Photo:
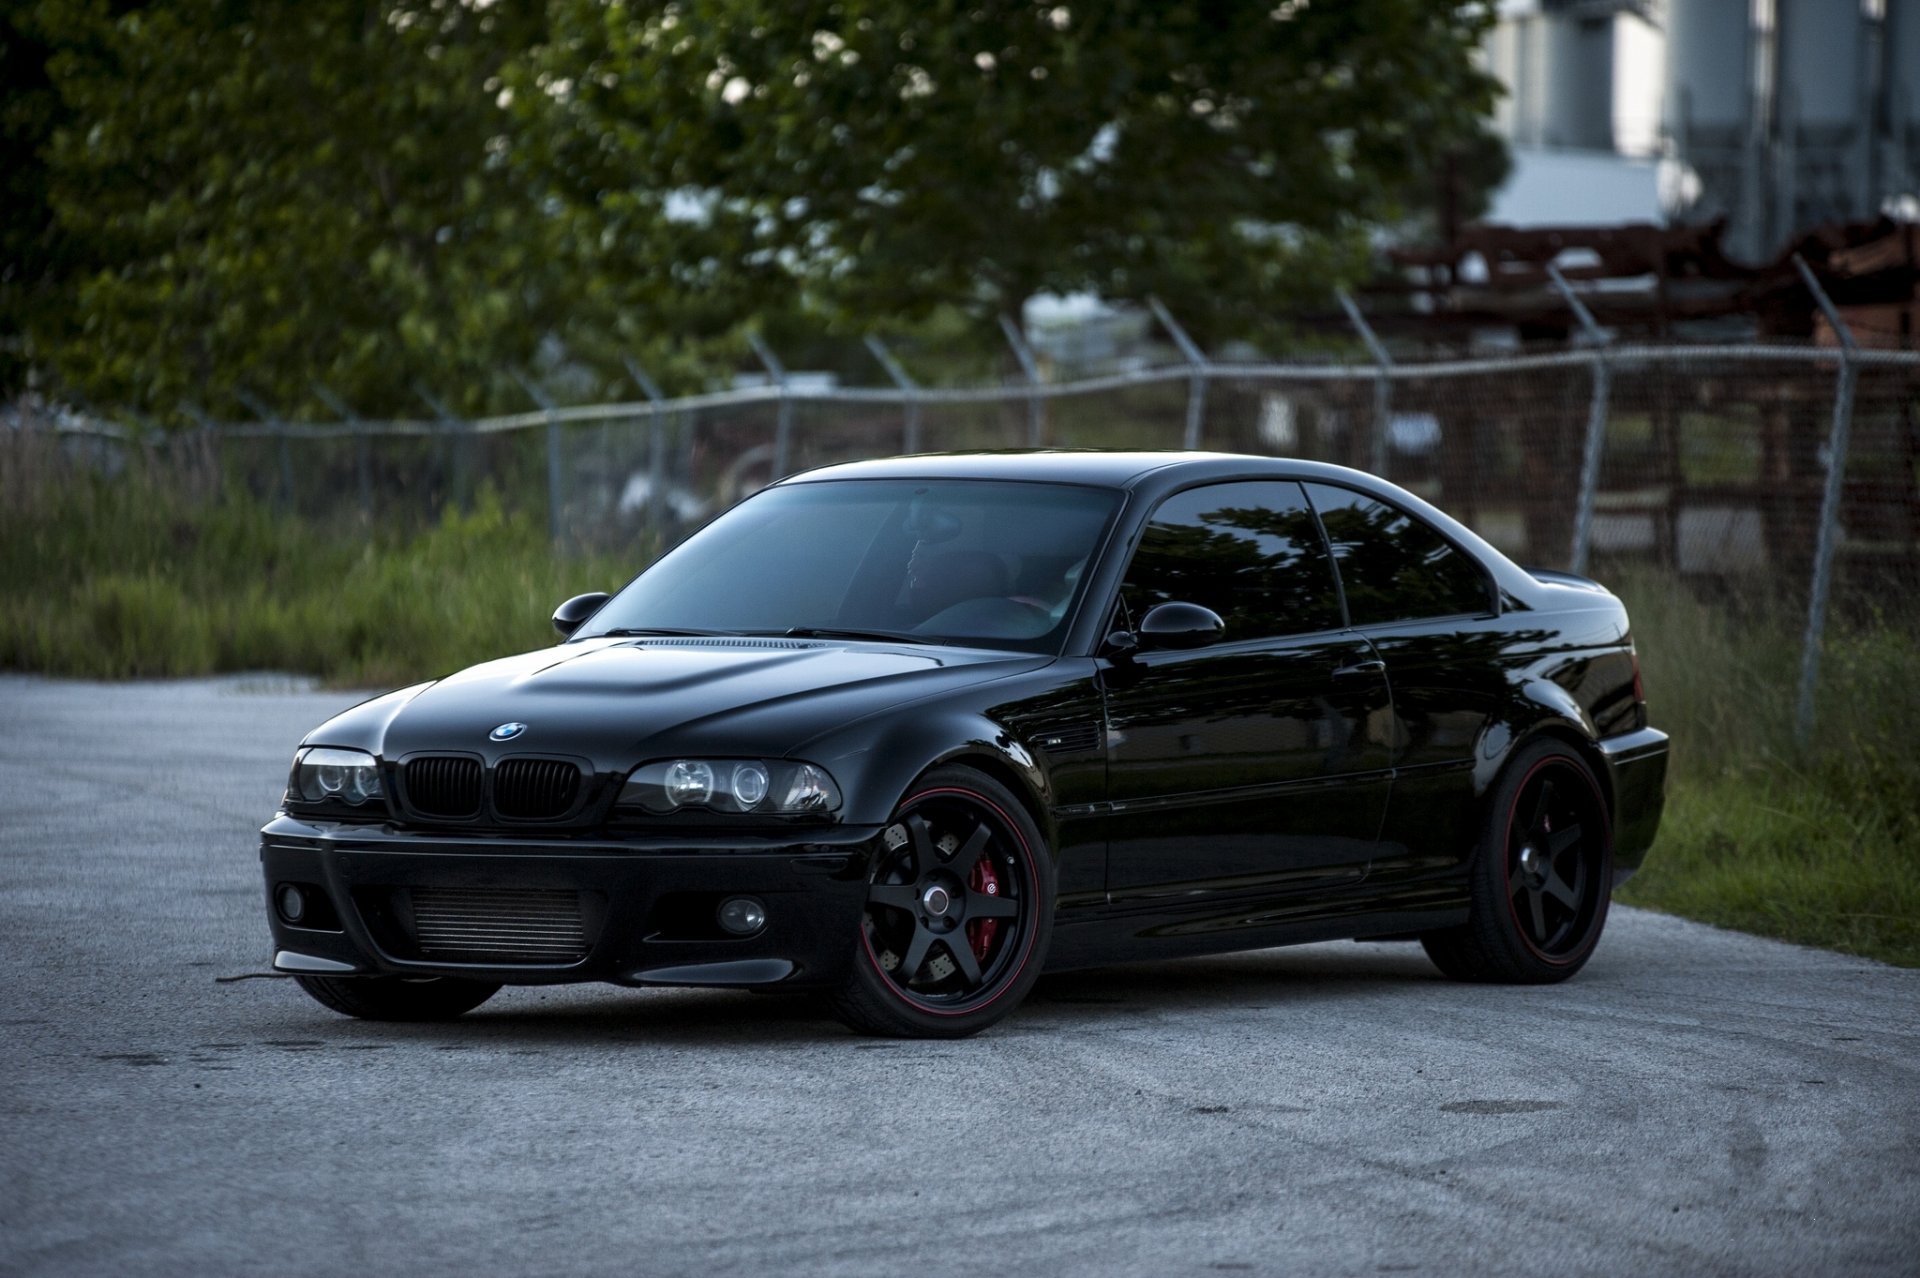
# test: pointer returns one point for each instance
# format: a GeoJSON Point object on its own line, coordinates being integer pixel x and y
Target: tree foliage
{"type": "Point", "coordinates": [215, 202]}
{"type": "Point", "coordinates": [893, 155]}
{"type": "Point", "coordinates": [288, 194]}
{"type": "Point", "coordinates": [36, 260]}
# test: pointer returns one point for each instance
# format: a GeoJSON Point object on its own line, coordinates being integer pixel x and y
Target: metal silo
{"type": "Point", "coordinates": [1823, 115]}
{"type": "Point", "coordinates": [1900, 83]}
{"type": "Point", "coordinates": [1709, 55]}
{"type": "Point", "coordinates": [1577, 102]}
{"type": "Point", "coordinates": [1709, 115]}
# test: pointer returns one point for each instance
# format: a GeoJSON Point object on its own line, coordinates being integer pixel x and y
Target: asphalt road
{"type": "Point", "coordinates": [1695, 1102]}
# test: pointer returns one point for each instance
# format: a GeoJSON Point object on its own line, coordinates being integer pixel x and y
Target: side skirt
{"type": "Point", "coordinates": [1092, 938]}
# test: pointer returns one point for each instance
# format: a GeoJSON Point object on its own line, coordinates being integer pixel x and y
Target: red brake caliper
{"type": "Point", "coordinates": [980, 932]}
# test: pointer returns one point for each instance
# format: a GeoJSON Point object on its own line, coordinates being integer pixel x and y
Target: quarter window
{"type": "Point", "coordinates": [1249, 551]}
{"type": "Point", "coordinates": [1393, 566]}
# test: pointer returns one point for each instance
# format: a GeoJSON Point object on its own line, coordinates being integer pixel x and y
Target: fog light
{"type": "Point", "coordinates": [292, 902]}
{"type": "Point", "coordinates": [742, 915]}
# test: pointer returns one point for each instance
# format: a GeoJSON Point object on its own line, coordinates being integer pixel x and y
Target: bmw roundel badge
{"type": "Point", "coordinates": [507, 731]}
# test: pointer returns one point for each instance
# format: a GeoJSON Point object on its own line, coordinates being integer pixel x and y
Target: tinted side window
{"type": "Point", "coordinates": [1249, 551]}
{"type": "Point", "coordinates": [1393, 566]}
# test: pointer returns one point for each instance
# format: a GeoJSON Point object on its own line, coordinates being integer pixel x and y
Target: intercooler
{"type": "Point", "coordinates": [492, 925]}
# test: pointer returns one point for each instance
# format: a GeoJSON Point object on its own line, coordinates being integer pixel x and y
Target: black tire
{"type": "Point", "coordinates": [394, 998]}
{"type": "Point", "coordinates": [1541, 879]}
{"type": "Point", "coordinates": [963, 892]}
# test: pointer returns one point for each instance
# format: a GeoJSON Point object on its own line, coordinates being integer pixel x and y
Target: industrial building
{"type": "Point", "coordinates": [1778, 116]}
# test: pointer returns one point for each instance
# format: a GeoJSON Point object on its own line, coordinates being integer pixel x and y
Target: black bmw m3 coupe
{"type": "Point", "coordinates": [910, 732]}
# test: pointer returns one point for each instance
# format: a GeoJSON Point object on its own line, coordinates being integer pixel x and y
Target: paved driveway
{"type": "Point", "coordinates": [1695, 1102]}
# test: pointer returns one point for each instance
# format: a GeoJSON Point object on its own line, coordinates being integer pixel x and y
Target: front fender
{"type": "Point", "coordinates": [875, 771]}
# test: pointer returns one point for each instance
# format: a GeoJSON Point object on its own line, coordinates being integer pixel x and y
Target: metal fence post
{"type": "Point", "coordinates": [1382, 384]}
{"type": "Point", "coordinates": [1196, 384]}
{"type": "Point", "coordinates": [556, 531]}
{"type": "Point", "coordinates": [362, 463]}
{"type": "Point", "coordinates": [1830, 498]}
{"type": "Point", "coordinates": [1031, 369]}
{"type": "Point", "coordinates": [1590, 454]}
{"type": "Point", "coordinates": [656, 443]}
{"type": "Point", "coordinates": [459, 444]}
{"type": "Point", "coordinates": [271, 420]}
{"type": "Point", "coordinates": [783, 425]}
{"type": "Point", "coordinates": [209, 433]}
{"type": "Point", "coordinates": [909, 393]}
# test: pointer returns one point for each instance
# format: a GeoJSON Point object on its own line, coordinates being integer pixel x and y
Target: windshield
{"type": "Point", "coordinates": [961, 561]}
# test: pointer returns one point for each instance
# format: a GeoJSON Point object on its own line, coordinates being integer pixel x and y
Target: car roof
{"type": "Point", "coordinates": [1100, 467]}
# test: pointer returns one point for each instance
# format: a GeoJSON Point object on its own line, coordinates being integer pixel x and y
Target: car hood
{"type": "Point", "coordinates": [615, 701]}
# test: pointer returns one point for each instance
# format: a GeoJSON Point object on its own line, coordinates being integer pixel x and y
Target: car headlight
{"type": "Point", "coordinates": [776, 787]}
{"type": "Point", "coordinates": [323, 774]}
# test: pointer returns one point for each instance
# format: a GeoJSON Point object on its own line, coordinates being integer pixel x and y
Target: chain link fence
{"type": "Point", "coordinates": [1785, 473]}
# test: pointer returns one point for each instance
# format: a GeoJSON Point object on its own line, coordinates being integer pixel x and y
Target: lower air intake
{"type": "Point", "coordinates": [499, 925]}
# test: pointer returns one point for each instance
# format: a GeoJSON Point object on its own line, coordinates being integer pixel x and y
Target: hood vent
{"type": "Point", "coordinates": [763, 645]}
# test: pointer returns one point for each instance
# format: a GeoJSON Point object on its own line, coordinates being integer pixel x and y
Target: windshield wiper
{"type": "Point", "coordinates": [838, 632]}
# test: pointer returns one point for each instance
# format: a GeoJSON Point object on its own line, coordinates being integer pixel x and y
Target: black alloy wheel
{"type": "Point", "coordinates": [1541, 880]}
{"type": "Point", "coordinates": [1550, 859]}
{"type": "Point", "coordinates": [957, 912]}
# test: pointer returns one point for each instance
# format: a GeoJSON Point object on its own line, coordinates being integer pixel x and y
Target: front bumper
{"type": "Point", "coordinates": [1637, 777]}
{"type": "Point", "coordinates": [641, 901]}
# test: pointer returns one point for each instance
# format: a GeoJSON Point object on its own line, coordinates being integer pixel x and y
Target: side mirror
{"type": "Point", "coordinates": [1180, 625]}
{"type": "Point", "coordinates": [569, 616]}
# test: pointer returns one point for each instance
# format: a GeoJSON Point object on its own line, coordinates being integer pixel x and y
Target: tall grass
{"type": "Point", "coordinates": [129, 579]}
{"type": "Point", "coordinates": [1817, 844]}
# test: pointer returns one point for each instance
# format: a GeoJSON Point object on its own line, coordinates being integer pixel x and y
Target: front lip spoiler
{"type": "Point", "coordinates": [294, 961]}
{"type": "Point", "coordinates": [737, 972]}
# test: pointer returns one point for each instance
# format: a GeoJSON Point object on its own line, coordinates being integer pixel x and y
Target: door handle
{"type": "Point", "coordinates": [1361, 670]}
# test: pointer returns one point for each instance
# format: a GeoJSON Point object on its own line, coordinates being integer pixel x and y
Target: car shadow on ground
{"type": "Point", "coordinates": [581, 1017]}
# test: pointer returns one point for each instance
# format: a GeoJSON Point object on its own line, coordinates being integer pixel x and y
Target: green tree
{"type": "Point", "coordinates": [37, 262]}
{"type": "Point", "coordinates": [279, 194]}
{"type": "Point", "coordinates": [883, 157]}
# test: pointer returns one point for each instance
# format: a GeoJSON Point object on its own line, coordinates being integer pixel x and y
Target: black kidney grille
{"type": "Point", "coordinates": [534, 789]}
{"type": "Point", "coordinates": [444, 786]}
{"type": "Point", "coordinates": [514, 925]}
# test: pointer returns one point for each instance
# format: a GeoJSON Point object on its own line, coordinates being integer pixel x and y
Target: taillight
{"type": "Point", "coordinates": [1639, 687]}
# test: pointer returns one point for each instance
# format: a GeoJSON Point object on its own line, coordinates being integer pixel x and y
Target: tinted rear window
{"type": "Point", "coordinates": [1395, 566]}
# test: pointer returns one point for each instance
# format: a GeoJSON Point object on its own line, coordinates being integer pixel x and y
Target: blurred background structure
{"type": "Point", "coordinates": [1777, 117]}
